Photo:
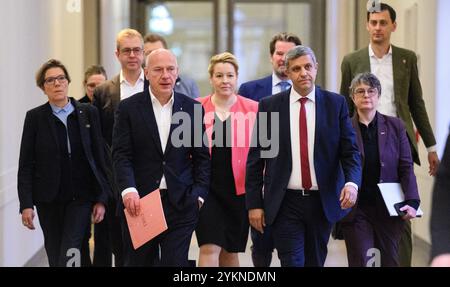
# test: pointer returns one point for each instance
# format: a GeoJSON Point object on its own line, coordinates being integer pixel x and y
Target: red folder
{"type": "Point", "coordinates": [150, 222]}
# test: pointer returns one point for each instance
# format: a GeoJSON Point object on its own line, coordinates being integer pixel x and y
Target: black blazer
{"type": "Point", "coordinates": [138, 157]}
{"type": "Point", "coordinates": [38, 178]}
{"type": "Point", "coordinates": [336, 155]}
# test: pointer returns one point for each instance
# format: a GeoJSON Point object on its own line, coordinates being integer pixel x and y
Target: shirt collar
{"type": "Point", "coordinates": [295, 97]}
{"type": "Point", "coordinates": [122, 77]}
{"type": "Point", "coordinates": [67, 108]}
{"type": "Point", "coordinates": [276, 80]}
{"type": "Point", "coordinates": [155, 100]}
{"type": "Point", "coordinates": [372, 54]}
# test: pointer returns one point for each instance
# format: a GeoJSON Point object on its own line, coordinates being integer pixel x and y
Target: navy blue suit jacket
{"type": "Point", "coordinates": [257, 89]}
{"type": "Point", "coordinates": [336, 156]}
{"type": "Point", "coordinates": [140, 162]}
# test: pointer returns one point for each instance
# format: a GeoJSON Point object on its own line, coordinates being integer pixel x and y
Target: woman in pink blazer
{"type": "Point", "coordinates": [223, 226]}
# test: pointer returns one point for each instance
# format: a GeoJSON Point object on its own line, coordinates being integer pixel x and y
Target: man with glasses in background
{"type": "Point", "coordinates": [130, 81]}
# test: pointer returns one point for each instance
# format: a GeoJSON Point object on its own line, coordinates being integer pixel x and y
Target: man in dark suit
{"type": "Point", "coordinates": [130, 81]}
{"type": "Point", "coordinates": [61, 167]}
{"type": "Point", "coordinates": [262, 247]}
{"type": "Point", "coordinates": [315, 175]}
{"type": "Point", "coordinates": [147, 157]}
{"type": "Point", "coordinates": [396, 68]}
{"type": "Point", "coordinates": [440, 213]}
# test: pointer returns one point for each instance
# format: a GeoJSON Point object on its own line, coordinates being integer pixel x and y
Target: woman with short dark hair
{"type": "Point", "coordinates": [61, 167]}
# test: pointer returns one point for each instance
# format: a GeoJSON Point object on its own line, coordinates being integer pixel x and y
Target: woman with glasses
{"type": "Point", "coordinates": [223, 225]}
{"type": "Point", "coordinates": [94, 76]}
{"type": "Point", "coordinates": [61, 167]}
{"type": "Point", "coordinates": [369, 230]}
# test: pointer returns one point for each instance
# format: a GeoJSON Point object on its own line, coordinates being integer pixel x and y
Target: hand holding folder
{"type": "Point", "coordinates": [150, 222]}
{"type": "Point", "coordinates": [394, 198]}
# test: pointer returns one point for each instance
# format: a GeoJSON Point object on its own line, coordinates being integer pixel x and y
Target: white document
{"type": "Point", "coordinates": [392, 193]}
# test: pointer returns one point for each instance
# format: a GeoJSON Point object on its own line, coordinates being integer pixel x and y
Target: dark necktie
{"type": "Point", "coordinates": [284, 85]}
{"type": "Point", "coordinates": [304, 159]}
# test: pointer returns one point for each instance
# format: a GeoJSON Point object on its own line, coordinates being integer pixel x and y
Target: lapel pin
{"type": "Point", "coordinates": [88, 126]}
{"type": "Point", "coordinates": [404, 61]}
{"type": "Point", "coordinates": [81, 112]}
{"type": "Point", "coordinates": [382, 133]}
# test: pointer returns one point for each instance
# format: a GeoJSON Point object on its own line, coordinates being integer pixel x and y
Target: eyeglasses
{"type": "Point", "coordinates": [52, 80]}
{"type": "Point", "coordinates": [362, 92]}
{"type": "Point", "coordinates": [127, 51]}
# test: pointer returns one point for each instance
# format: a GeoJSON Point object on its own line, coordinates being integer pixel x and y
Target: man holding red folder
{"type": "Point", "coordinates": [147, 156]}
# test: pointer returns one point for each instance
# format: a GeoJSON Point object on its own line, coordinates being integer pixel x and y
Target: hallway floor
{"type": "Point", "coordinates": [336, 255]}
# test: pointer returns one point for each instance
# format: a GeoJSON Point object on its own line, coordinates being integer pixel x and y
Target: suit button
{"type": "Point", "coordinates": [382, 164]}
{"type": "Point", "coordinates": [164, 163]}
{"type": "Point", "coordinates": [381, 181]}
{"type": "Point", "coordinates": [157, 181]}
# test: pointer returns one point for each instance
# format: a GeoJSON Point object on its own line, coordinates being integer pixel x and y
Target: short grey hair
{"type": "Point", "coordinates": [367, 79]}
{"type": "Point", "coordinates": [297, 52]}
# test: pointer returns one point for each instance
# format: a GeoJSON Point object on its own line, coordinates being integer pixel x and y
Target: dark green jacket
{"type": "Point", "coordinates": [408, 91]}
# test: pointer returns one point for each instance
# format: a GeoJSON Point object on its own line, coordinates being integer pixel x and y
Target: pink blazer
{"type": "Point", "coordinates": [243, 115]}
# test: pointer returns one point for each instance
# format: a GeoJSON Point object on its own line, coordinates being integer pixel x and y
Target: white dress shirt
{"type": "Point", "coordinates": [295, 181]}
{"type": "Point", "coordinates": [163, 116]}
{"type": "Point", "coordinates": [383, 69]}
{"type": "Point", "coordinates": [127, 89]}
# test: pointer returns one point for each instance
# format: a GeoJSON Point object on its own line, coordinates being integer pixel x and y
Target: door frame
{"type": "Point", "coordinates": [318, 35]}
{"type": "Point", "coordinates": [137, 16]}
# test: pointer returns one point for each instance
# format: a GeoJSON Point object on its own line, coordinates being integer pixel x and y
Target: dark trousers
{"type": "Point", "coordinates": [102, 244]}
{"type": "Point", "coordinates": [372, 228]}
{"type": "Point", "coordinates": [64, 226]}
{"type": "Point", "coordinates": [262, 247]}
{"type": "Point", "coordinates": [301, 230]}
{"type": "Point", "coordinates": [107, 237]}
{"type": "Point", "coordinates": [85, 250]}
{"type": "Point", "coordinates": [171, 247]}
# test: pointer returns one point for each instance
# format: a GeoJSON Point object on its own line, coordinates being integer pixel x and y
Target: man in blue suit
{"type": "Point", "coordinates": [262, 247]}
{"type": "Point", "coordinates": [147, 157]}
{"type": "Point", "coordinates": [313, 180]}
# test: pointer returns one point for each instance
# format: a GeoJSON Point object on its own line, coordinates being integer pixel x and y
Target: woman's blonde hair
{"type": "Point", "coordinates": [224, 57]}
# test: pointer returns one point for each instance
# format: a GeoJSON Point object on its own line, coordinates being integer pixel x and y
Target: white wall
{"type": "Point", "coordinates": [442, 73]}
{"type": "Point", "coordinates": [32, 32]}
{"type": "Point", "coordinates": [340, 29]}
{"type": "Point", "coordinates": [115, 16]}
